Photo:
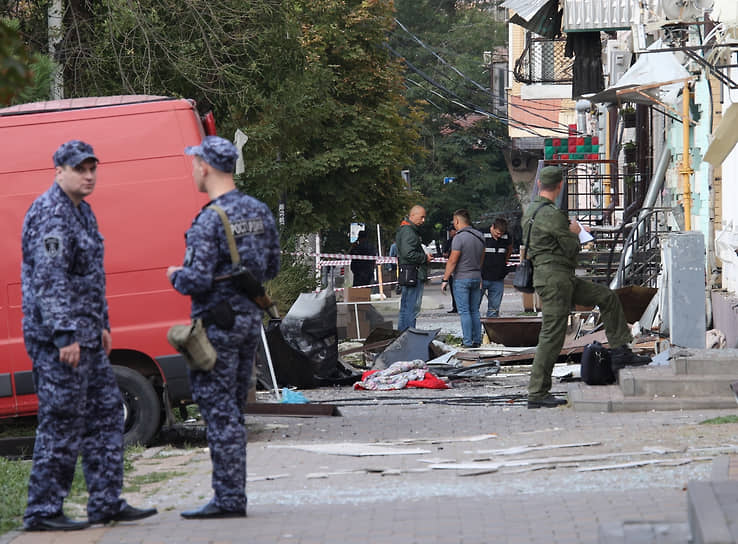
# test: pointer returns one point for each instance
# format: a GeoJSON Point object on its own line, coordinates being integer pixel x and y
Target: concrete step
{"type": "Point", "coordinates": [643, 532]}
{"type": "Point", "coordinates": [712, 509]}
{"type": "Point", "coordinates": [663, 381]}
{"type": "Point", "coordinates": [610, 398]}
{"type": "Point", "coordinates": [705, 361]}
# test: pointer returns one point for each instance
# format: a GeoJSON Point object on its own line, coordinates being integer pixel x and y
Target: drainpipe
{"type": "Point", "coordinates": [581, 107]}
{"type": "Point", "coordinates": [686, 169]}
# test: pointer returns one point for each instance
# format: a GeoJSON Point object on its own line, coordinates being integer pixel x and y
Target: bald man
{"type": "Point", "coordinates": [410, 253]}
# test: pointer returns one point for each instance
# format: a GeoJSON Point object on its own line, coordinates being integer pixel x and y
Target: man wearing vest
{"type": "Point", "coordinates": [498, 247]}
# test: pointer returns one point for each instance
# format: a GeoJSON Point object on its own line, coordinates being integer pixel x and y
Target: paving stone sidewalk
{"type": "Point", "coordinates": [398, 499]}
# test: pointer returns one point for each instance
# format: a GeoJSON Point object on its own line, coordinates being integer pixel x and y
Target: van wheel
{"type": "Point", "coordinates": [141, 407]}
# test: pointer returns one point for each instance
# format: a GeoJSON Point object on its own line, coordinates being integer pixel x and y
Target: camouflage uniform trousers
{"type": "Point", "coordinates": [221, 396]}
{"type": "Point", "coordinates": [560, 291]}
{"type": "Point", "coordinates": [80, 411]}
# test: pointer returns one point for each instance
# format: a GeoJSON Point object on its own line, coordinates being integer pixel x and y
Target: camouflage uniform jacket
{"type": "Point", "coordinates": [62, 274]}
{"type": "Point", "coordinates": [207, 255]}
{"type": "Point", "coordinates": [552, 244]}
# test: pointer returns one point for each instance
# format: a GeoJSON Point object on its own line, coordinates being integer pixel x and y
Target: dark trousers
{"type": "Point", "coordinates": [80, 411]}
{"type": "Point", "coordinates": [221, 395]}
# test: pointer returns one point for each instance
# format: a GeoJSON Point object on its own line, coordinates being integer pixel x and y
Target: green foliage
{"type": "Point", "coordinates": [296, 276]}
{"type": "Point", "coordinates": [459, 143]}
{"type": "Point", "coordinates": [330, 111]}
{"type": "Point", "coordinates": [14, 477]}
{"type": "Point", "coordinates": [339, 115]}
{"type": "Point", "coordinates": [309, 81]}
{"type": "Point", "coordinates": [720, 420]}
{"type": "Point", "coordinates": [15, 72]}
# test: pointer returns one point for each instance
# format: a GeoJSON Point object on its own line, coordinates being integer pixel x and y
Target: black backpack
{"type": "Point", "coordinates": [596, 367]}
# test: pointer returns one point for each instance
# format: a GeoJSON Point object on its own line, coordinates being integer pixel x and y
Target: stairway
{"type": "Point", "coordinates": [693, 379]}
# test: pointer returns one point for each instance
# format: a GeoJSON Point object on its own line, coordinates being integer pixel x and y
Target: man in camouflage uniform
{"type": "Point", "coordinates": [67, 336]}
{"type": "Point", "coordinates": [221, 392]}
{"type": "Point", "coordinates": [554, 245]}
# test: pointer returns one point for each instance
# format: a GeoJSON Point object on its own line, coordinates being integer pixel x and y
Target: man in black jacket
{"type": "Point", "coordinates": [363, 270]}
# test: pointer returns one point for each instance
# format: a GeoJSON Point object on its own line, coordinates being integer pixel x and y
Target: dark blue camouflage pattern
{"type": "Point", "coordinates": [62, 275]}
{"type": "Point", "coordinates": [80, 409]}
{"type": "Point", "coordinates": [72, 153]}
{"type": "Point", "coordinates": [217, 152]}
{"type": "Point", "coordinates": [221, 393]}
{"type": "Point", "coordinates": [80, 412]}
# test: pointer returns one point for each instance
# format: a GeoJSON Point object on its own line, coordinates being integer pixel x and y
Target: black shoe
{"type": "Point", "coordinates": [211, 511]}
{"type": "Point", "coordinates": [129, 513]}
{"type": "Point", "coordinates": [476, 344]}
{"type": "Point", "coordinates": [452, 311]}
{"type": "Point", "coordinates": [549, 401]}
{"type": "Point", "coordinates": [57, 523]}
{"type": "Point", "coordinates": [622, 356]}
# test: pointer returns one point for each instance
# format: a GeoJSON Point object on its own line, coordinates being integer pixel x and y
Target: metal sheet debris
{"type": "Point", "coordinates": [354, 449]}
{"type": "Point", "coordinates": [537, 447]}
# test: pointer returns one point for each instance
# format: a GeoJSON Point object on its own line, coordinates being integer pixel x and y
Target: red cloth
{"type": "Point", "coordinates": [430, 381]}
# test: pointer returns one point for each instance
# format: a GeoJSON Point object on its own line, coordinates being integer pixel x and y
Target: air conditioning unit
{"type": "Point", "coordinates": [618, 61]}
{"type": "Point", "coordinates": [519, 161]}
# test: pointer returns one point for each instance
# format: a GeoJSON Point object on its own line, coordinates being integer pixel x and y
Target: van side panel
{"type": "Point", "coordinates": [144, 201]}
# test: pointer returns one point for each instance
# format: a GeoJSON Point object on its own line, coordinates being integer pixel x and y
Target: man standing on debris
{"type": "Point", "coordinates": [465, 263]}
{"type": "Point", "coordinates": [554, 245]}
{"type": "Point", "coordinates": [232, 319]}
{"type": "Point", "coordinates": [410, 252]}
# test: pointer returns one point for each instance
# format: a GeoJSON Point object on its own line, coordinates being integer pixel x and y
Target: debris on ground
{"type": "Point", "coordinates": [399, 375]}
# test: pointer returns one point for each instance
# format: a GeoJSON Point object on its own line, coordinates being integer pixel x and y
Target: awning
{"type": "Point", "coordinates": [655, 77]}
{"type": "Point", "coordinates": [525, 8]}
{"type": "Point", "coordinates": [540, 16]}
{"type": "Point", "coordinates": [724, 138]}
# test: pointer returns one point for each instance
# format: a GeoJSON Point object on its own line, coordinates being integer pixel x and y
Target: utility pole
{"type": "Point", "coordinates": [54, 18]}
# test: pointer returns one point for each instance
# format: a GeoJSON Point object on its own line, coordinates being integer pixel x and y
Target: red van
{"type": "Point", "coordinates": [144, 201]}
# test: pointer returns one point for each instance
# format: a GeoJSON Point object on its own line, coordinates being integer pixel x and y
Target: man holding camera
{"type": "Point", "coordinates": [231, 318]}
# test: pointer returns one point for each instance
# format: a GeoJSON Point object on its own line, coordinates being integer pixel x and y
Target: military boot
{"type": "Point", "coordinates": [622, 356]}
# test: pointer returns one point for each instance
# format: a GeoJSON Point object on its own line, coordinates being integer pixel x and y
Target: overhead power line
{"type": "Point", "coordinates": [480, 88]}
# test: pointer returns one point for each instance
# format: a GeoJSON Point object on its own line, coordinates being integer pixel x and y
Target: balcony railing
{"type": "Point", "coordinates": [543, 61]}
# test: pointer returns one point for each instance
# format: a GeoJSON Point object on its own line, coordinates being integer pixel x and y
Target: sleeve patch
{"type": "Point", "coordinates": [247, 226]}
{"type": "Point", "coordinates": [52, 246]}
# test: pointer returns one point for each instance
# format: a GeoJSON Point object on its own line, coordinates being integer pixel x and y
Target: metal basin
{"type": "Point", "coordinates": [513, 331]}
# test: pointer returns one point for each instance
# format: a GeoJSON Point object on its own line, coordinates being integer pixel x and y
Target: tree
{"type": "Point", "coordinates": [446, 74]}
{"type": "Point", "coordinates": [345, 129]}
{"type": "Point", "coordinates": [309, 81]}
{"type": "Point", "coordinates": [15, 72]}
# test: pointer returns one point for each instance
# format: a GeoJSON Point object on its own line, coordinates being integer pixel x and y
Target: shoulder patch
{"type": "Point", "coordinates": [247, 226]}
{"type": "Point", "coordinates": [52, 246]}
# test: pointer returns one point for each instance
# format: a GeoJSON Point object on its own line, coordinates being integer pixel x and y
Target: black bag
{"type": "Point", "coordinates": [408, 275]}
{"type": "Point", "coordinates": [596, 367]}
{"type": "Point", "coordinates": [523, 278]}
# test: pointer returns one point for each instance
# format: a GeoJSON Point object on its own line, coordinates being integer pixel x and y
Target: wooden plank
{"type": "Point", "coordinates": [294, 410]}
